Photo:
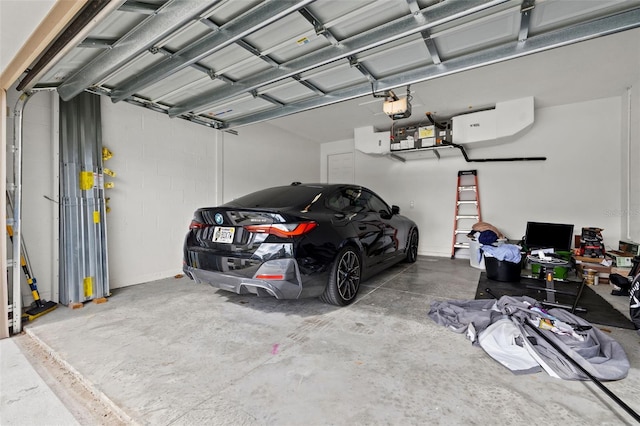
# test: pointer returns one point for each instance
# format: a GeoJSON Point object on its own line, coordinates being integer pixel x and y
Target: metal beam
{"type": "Point", "coordinates": [222, 77]}
{"type": "Point", "coordinates": [414, 7]}
{"type": "Point", "coordinates": [86, 18]}
{"type": "Point", "coordinates": [258, 54]}
{"type": "Point", "coordinates": [169, 53]}
{"type": "Point", "coordinates": [318, 26]}
{"type": "Point", "coordinates": [255, 19]}
{"type": "Point", "coordinates": [431, 47]}
{"type": "Point", "coordinates": [18, 132]}
{"type": "Point", "coordinates": [84, 272]}
{"type": "Point", "coordinates": [172, 16]}
{"type": "Point", "coordinates": [540, 43]}
{"type": "Point", "coordinates": [139, 7]}
{"type": "Point", "coordinates": [245, 45]}
{"type": "Point", "coordinates": [267, 98]}
{"type": "Point", "coordinates": [353, 62]}
{"type": "Point", "coordinates": [426, 34]}
{"type": "Point", "coordinates": [308, 85]}
{"type": "Point", "coordinates": [525, 19]}
{"type": "Point", "coordinates": [98, 43]}
{"type": "Point", "coordinates": [436, 15]}
{"type": "Point", "coordinates": [161, 108]}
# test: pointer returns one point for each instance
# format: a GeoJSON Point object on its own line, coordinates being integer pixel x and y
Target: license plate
{"type": "Point", "coordinates": [223, 234]}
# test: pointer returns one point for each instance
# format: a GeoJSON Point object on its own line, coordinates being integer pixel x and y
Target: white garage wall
{"type": "Point", "coordinates": [263, 155]}
{"type": "Point", "coordinates": [579, 183]}
{"type": "Point", "coordinates": [166, 168]}
{"type": "Point", "coordinates": [630, 168]}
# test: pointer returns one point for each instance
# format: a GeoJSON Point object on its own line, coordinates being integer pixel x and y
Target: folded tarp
{"type": "Point", "coordinates": [504, 341]}
{"type": "Point", "coordinates": [599, 354]}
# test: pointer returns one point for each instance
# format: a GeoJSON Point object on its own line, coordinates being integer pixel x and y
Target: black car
{"type": "Point", "coordinates": [302, 240]}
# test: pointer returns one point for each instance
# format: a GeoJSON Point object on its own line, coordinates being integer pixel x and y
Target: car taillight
{"type": "Point", "coordinates": [284, 230]}
{"type": "Point", "coordinates": [269, 277]}
{"type": "Point", "coordinates": [198, 225]}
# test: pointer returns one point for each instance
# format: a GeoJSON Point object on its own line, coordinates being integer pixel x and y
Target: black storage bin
{"type": "Point", "coordinates": [502, 270]}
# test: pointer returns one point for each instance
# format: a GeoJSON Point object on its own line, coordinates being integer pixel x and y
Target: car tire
{"type": "Point", "coordinates": [412, 247]}
{"type": "Point", "coordinates": [344, 278]}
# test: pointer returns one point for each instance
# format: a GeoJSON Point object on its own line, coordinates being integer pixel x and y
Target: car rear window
{"type": "Point", "coordinates": [279, 197]}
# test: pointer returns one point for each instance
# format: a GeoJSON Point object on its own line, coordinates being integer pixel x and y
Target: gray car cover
{"type": "Point", "coordinates": [498, 327]}
{"type": "Point", "coordinates": [504, 341]}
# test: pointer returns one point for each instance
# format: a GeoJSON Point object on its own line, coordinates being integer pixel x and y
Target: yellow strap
{"type": "Point", "coordinates": [88, 286]}
{"type": "Point", "coordinates": [86, 180]}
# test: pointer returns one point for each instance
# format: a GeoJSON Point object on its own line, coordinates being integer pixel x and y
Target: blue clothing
{"type": "Point", "coordinates": [487, 237]}
{"type": "Point", "coordinates": [508, 252]}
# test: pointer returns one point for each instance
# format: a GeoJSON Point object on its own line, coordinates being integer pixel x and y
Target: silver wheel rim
{"type": "Point", "coordinates": [414, 245]}
{"type": "Point", "coordinates": [348, 275]}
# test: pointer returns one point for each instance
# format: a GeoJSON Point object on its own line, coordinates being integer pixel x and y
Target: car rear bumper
{"type": "Point", "coordinates": [279, 278]}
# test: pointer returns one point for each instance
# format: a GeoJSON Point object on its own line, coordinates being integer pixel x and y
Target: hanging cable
{"type": "Point", "coordinates": [438, 125]}
{"type": "Point", "coordinates": [486, 160]}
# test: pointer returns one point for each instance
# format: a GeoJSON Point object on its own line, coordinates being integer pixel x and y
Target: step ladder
{"type": "Point", "coordinates": [467, 211]}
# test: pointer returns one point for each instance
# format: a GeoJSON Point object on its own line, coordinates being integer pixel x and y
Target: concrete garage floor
{"type": "Point", "coordinates": [172, 352]}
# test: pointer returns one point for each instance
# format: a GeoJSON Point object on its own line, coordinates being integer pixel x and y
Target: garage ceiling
{"type": "Point", "coordinates": [300, 64]}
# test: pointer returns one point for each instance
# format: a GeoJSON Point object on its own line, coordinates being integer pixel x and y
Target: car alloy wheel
{"type": "Point", "coordinates": [348, 275]}
{"type": "Point", "coordinates": [412, 248]}
{"type": "Point", "coordinates": [344, 280]}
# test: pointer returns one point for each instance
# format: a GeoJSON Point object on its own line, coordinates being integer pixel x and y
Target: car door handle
{"type": "Point", "coordinates": [362, 227]}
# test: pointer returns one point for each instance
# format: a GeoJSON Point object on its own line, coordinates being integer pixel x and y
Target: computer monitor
{"type": "Point", "coordinates": [542, 235]}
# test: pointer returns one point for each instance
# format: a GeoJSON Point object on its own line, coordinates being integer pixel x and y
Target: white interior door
{"type": "Point", "coordinates": [340, 168]}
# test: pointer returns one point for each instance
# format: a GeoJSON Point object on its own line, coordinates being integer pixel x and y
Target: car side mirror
{"type": "Point", "coordinates": [395, 210]}
{"type": "Point", "coordinates": [385, 214]}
